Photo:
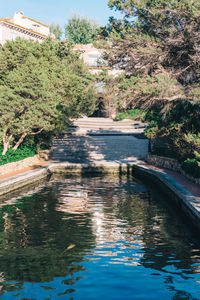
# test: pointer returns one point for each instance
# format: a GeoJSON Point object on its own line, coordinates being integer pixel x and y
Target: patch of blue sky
{"type": "Point", "coordinates": [58, 12]}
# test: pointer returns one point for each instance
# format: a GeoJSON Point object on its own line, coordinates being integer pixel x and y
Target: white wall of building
{"type": "Point", "coordinates": [21, 26]}
{"type": "Point", "coordinates": [11, 32]}
{"type": "Point", "coordinates": [30, 24]}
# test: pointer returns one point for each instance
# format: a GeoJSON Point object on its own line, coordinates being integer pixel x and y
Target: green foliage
{"type": "Point", "coordinates": [156, 43]}
{"type": "Point", "coordinates": [136, 91]}
{"type": "Point", "coordinates": [42, 86]}
{"type": "Point", "coordinates": [19, 154]}
{"type": "Point", "coordinates": [174, 129]}
{"type": "Point", "coordinates": [181, 115]}
{"type": "Point", "coordinates": [193, 138]}
{"type": "Point", "coordinates": [157, 39]}
{"type": "Point", "coordinates": [192, 167]}
{"type": "Point", "coordinates": [81, 30]}
{"type": "Point", "coordinates": [56, 31]}
{"type": "Point", "coordinates": [132, 114]}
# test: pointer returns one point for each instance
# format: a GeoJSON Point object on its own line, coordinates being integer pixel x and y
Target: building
{"type": "Point", "coordinates": [92, 57]}
{"type": "Point", "coordinates": [21, 26]}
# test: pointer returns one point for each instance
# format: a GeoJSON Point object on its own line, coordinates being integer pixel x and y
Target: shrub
{"type": "Point", "coordinates": [19, 154]}
{"type": "Point", "coordinates": [132, 114]}
{"type": "Point", "coordinates": [192, 167]}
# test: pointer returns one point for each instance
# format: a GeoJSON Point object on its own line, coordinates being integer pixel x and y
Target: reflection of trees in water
{"type": "Point", "coordinates": [167, 245]}
{"type": "Point", "coordinates": [36, 231]}
{"type": "Point", "coordinates": [34, 238]}
{"type": "Point", "coordinates": [123, 209]}
{"type": "Point", "coordinates": [167, 241]}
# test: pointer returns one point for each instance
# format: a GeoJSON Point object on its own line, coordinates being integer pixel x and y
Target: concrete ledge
{"type": "Point", "coordinates": [100, 168]}
{"type": "Point", "coordinates": [24, 163]}
{"type": "Point", "coordinates": [171, 164]}
{"type": "Point", "coordinates": [16, 182]}
{"type": "Point", "coordinates": [187, 203]}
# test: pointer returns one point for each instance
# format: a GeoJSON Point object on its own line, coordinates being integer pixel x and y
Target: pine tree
{"type": "Point", "coordinates": [81, 30]}
{"type": "Point", "coordinates": [158, 41]}
{"type": "Point", "coordinates": [42, 86]}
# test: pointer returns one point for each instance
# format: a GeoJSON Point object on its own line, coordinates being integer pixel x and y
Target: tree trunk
{"type": "Point", "coordinates": [20, 141]}
{"type": "Point", "coordinates": [5, 147]}
{"type": "Point", "coordinates": [6, 142]}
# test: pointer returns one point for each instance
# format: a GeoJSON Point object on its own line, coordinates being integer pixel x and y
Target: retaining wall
{"type": "Point", "coordinates": [171, 164]}
{"type": "Point", "coordinates": [22, 164]}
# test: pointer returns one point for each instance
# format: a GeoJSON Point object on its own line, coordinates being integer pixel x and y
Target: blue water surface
{"type": "Point", "coordinates": [96, 238]}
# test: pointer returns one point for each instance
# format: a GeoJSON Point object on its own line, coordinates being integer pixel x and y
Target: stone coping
{"type": "Point", "coordinates": [29, 162]}
{"type": "Point", "coordinates": [188, 204]}
{"type": "Point", "coordinates": [171, 164]}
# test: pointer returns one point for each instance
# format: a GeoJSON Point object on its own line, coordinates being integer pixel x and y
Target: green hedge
{"type": "Point", "coordinates": [192, 167]}
{"type": "Point", "coordinates": [19, 154]}
{"type": "Point", "coordinates": [129, 114]}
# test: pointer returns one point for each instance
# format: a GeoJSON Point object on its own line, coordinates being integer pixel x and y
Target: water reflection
{"type": "Point", "coordinates": [88, 237]}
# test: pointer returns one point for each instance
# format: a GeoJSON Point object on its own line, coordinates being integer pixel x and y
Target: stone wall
{"type": "Point", "coordinates": [171, 164]}
{"type": "Point", "coordinates": [25, 163]}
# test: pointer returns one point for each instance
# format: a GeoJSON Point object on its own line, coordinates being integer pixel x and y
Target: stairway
{"type": "Point", "coordinates": [100, 139]}
{"type": "Point", "coordinates": [95, 126]}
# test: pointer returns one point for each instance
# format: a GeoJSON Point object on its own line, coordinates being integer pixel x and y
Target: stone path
{"type": "Point", "coordinates": [190, 186]}
{"type": "Point", "coordinates": [14, 173]}
{"type": "Point", "coordinates": [101, 139]}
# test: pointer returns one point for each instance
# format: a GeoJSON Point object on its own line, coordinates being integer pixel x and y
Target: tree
{"type": "Point", "coordinates": [81, 30]}
{"type": "Point", "coordinates": [157, 45]}
{"type": "Point", "coordinates": [56, 31]}
{"type": "Point", "coordinates": [42, 86]}
{"type": "Point", "coordinates": [158, 38]}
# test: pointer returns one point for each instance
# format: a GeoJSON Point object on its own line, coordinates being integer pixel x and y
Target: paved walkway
{"type": "Point", "coordinates": [102, 140]}
{"type": "Point", "coordinates": [193, 188]}
{"type": "Point", "coordinates": [8, 175]}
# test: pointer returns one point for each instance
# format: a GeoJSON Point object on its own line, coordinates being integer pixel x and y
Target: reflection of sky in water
{"type": "Point", "coordinates": [121, 242]}
{"type": "Point", "coordinates": [113, 271]}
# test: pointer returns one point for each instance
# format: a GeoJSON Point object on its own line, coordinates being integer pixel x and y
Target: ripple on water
{"type": "Point", "coordinates": [94, 238]}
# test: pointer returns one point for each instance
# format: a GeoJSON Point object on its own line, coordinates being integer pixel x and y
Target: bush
{"type": "Point", "coordinates": [19, 154]}
{"type": "Point", "coordinates": [192, 167]}
{"type": "Point", "coordinates": [132, 114]}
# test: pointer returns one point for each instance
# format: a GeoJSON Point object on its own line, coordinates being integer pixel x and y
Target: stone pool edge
{"type": "Point", "coordinates": [187, 203]}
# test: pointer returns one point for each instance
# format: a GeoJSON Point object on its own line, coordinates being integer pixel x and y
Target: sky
{"type": "Point", "coordinates": [58, 11]}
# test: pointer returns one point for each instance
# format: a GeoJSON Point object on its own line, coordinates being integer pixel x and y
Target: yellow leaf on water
{"type": "Point", "coordinates": [69, 247]}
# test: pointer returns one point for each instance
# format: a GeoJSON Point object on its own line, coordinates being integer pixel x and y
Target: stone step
{"type": "Point", "coordinates": [103, 121]}
{"type": "Point", "coordinates": [97, 132]}
{"type": "Point", "coordinates": [88, 142]}
{"type": "Point", "coordinates": [107, 126]}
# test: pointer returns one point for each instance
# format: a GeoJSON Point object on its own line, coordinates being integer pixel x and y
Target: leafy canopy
{"type": "Point", "coordinates": [157, 45]}
{"type": "Point", "coordinates": [81, 30]}
{"type": "Point", "coordinates": [42, 86]}
{"type": "Point", "coordinates": [158, 38]}
{"type": "Point", "coordinates": [56, 31]}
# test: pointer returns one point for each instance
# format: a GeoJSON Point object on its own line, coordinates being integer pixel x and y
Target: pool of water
{"type": "Point", "coordinates": [95, 238]}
